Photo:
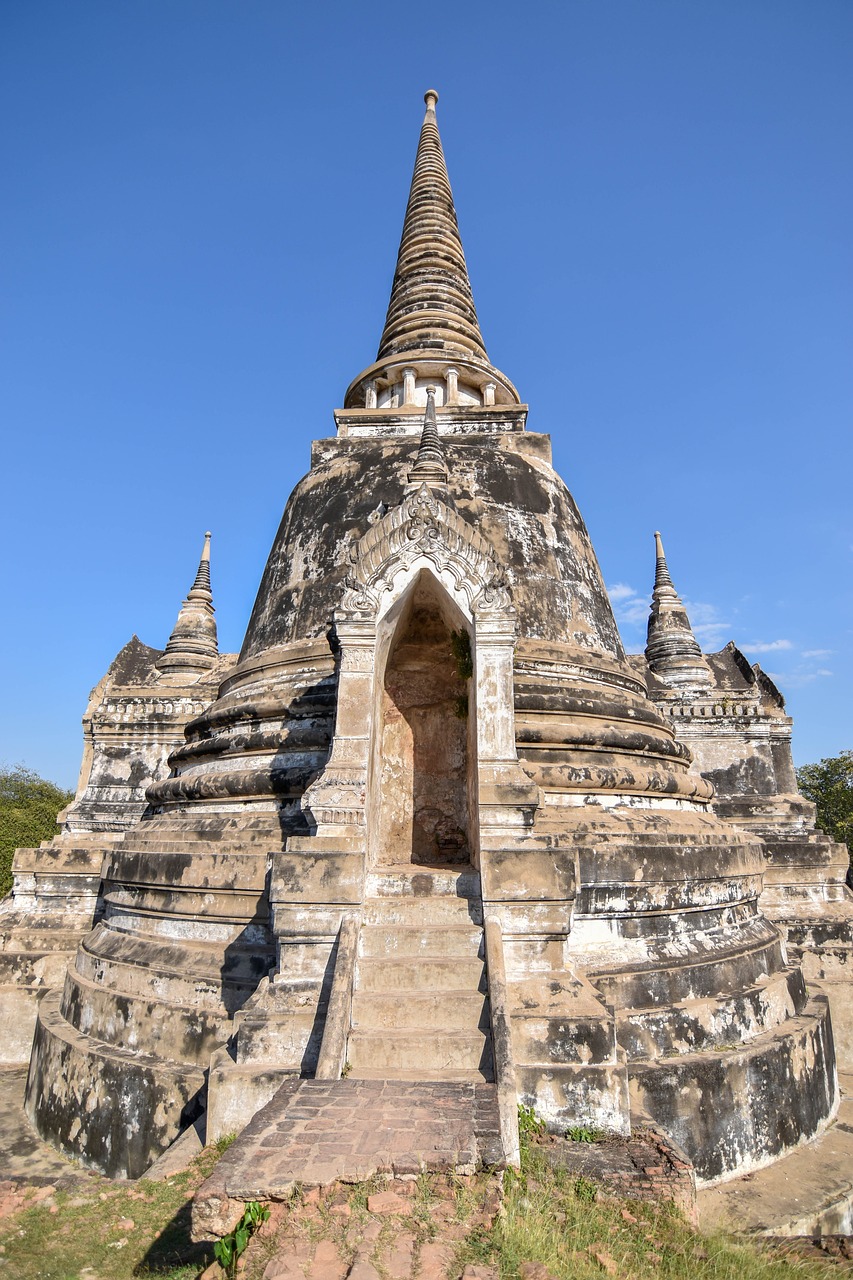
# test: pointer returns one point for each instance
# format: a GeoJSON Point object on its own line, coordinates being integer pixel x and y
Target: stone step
{"type": "Point", "coordinates": [185, 1034]}
{"type": "Point", "coordinates": [413, 913]}
{"type": "Point", "coordinates": [415, 1051]}
{"type": "Point", "coordinates": [415, 975]}
{"type": "Point", "coordinates": [414, 1075]}
{"type": "Point", "coordinates": [129, 962]}
{"type": "Point", "coordinates": [713, 1022]}
{"type": "Point", "coordinates": [792, 1060]}
{"type": "Point", "coordinates": [807, 1193]}
{"type": "Point", "coordinates": [189, 902]}
{"type": "Point", "coordinates": [137, 845]}
{"type": "Point", "coordinates": [239, 870]}
{"type": "Point", "coordinates": [175, 929]}
{"type": "Point", "coordinates": [32, 941]}
{"type": "Point", "coordinates": [68, 1065]}
{"type": "Point", "coordinates": [557, 1019]}
{"type": "Point", "coordinates": [456, 1011]}
{"type": "Point", "coordinates": [410, 882]}
{"type": "Point", "coordinates": [393, 941]}
{"type": "Point", "coordinates": [702, 966]}
{"type": "Point", "coordinates": [211, 834]}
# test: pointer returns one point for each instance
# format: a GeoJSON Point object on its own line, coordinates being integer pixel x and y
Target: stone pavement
{"type": "Point", "coordinates": [807, 1193]}
{"type": "Point", "coordinates": [24, 1158]}
{"type": "Point", "coordinates": [316, 1132]}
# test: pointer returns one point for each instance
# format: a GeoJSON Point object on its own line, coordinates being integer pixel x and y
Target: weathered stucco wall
{"type": "Point", "coordinates": [502, 484]}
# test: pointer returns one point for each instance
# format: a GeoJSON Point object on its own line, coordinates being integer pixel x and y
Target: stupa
{"type": "Point", "coordinates": [434, 823]}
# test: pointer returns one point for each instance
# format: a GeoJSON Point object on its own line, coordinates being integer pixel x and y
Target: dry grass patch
{"type": "Point", "coordinates": [563, 1222]}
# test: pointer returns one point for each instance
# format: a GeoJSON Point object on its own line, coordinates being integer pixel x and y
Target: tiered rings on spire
{"type": "Point", "coordinates": [431, 306]}
{"type": "Point", "coordinates": [672, 651]}
{"type": "Point", "coordinates": [193, 644]}
{"type": "Point", "coordinates": [432, 334]}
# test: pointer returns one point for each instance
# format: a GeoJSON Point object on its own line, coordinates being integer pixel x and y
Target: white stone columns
{"type": "Point", "coordinates": [337, 799]}
{"type": "Point", "coordinates": [507, 796]}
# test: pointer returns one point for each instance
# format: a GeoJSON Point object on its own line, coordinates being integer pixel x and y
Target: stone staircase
{"type": "Point", "coordinates": [420, 1009]}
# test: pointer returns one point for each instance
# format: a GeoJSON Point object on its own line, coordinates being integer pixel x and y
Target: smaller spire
{"type": "Point", "coordinates": [430, 465]}
{"type": "Point", "coordinates": [193, 646]}
{"type": "Point", "coordinates": [672, 651]}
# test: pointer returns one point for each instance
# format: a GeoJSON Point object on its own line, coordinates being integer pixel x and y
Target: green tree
{"type": "Point", "coordinates": [28, 808]}
{"type": "Point", "coordinates": [829, 785]}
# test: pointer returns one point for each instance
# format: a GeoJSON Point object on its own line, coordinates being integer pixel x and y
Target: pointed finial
{"type": "Point", "coordinates": [193, 646]}
{"type": "Point", "coordinates": [430, 465]}
{"type": "Point", "coordinates": [431, 98]}
{"type": "Point", "coordinates": [202, 577]}
{"type": "Point", "coordinates": [662, 578]}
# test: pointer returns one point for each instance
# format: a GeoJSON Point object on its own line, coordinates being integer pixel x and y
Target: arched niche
{"type": "Point", "coordinates": [423, 756]}
{"type": "Point", "coordinates": [421, 540]}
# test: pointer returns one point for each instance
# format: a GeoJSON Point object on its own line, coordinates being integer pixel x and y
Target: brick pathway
{"type": "Point", "coordinates": [315, 1132]}
{"type": "Point", "coordinates": [409, 1231]}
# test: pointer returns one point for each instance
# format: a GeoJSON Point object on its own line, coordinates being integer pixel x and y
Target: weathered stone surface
{"type": "Point", "coordinates": [432, 724]}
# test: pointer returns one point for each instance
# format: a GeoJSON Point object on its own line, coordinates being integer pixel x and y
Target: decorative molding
{"type": "Point", "coordinates": [422, 526]}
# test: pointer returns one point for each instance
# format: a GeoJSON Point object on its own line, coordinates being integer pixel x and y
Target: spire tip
{"type": "Point", "coordinates": [431, 98]}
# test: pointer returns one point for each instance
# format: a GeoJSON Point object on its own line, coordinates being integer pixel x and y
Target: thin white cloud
{"type": "Point", "coordinates": [620, 591]}
{"type": "Point", "coordinates": [711, 630]}
{"type": "Point", "coordinates": [630, 608]}
{"type": "Point", "coordinates": [768, 646]}
{"type": "Point", "coordinates": [798, 679]}
{"type": "Point", "coordinates": [817, 653]}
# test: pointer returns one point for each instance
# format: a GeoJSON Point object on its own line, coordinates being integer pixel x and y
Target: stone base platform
{"type": "Point", "coordinates": [316, 1132]}
{"type": "Point", "coordinates": [807, 1193]}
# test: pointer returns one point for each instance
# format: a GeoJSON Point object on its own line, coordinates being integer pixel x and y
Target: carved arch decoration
{"type": "Point", "coordinates": [422, 531]}
{"type": "Point", "coordinates": [423, 528]}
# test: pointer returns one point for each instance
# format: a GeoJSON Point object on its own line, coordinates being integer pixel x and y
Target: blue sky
{"type": "Point", "coordinates": [202, 205]}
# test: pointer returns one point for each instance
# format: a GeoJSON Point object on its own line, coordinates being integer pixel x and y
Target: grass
{"type": "Point", "coordinates": [74, 1230]}
{"type": "Point", "coordinates": [552, 1217]}
{"type": "Point", "coordinates": [546, 1215]}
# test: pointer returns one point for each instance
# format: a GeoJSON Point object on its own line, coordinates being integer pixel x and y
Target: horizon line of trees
{"type": "Point", "coordinates": [28, 808]}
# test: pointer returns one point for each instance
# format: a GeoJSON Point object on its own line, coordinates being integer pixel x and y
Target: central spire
{"type": "Point", "coordinates": [431, 306]}
{"type": "Point", "coordinates": [431, 333]}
